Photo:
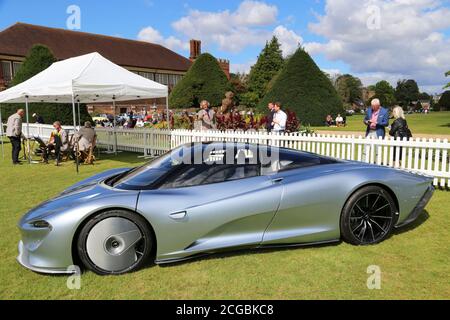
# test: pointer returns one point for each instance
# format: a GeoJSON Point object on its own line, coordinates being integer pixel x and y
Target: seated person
{"type": "Point", "coordinates": [59, 142]}
{"type": "Point", "coordinates": [85, 137]}
{"type": "Point", "coordinates": [339, 121]}
{"type": "Point", "coordinates": [329, 121]}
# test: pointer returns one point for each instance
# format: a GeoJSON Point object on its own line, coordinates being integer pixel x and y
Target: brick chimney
{"type": "Point", "coordinates": [196, 49]}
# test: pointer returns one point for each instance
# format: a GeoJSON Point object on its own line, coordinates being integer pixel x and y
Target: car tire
{"type": "Point", "coordinates": [368, 217]}
{"type": "Point", "coordinates": [115, 242]}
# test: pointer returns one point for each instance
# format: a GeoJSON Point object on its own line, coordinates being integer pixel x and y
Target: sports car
{"type": "Point", "coordinates": [205, 198]}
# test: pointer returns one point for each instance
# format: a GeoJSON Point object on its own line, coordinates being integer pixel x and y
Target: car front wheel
{"type": "Point", "coordinates": [115, 242]}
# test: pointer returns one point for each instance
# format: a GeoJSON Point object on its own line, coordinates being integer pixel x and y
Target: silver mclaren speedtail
{"type": "Point", "coordinates": [209, 197]}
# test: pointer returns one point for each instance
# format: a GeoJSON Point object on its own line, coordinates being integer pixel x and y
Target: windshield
{"type": "Point", "coordinates": [147, 174]}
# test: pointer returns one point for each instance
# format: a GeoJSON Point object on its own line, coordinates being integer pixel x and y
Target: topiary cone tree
{"type": "Point", "coordinates": [205, 80]}
{"type": "Point", "coordinates": [38, 59]}
{"type": "Point", "coordinates": [303, 88]}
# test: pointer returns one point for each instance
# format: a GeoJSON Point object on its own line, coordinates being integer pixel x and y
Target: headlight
{"type": "Point", "coordinates": [41, 224]}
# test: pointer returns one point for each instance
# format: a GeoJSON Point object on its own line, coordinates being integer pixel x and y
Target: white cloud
{"type": "Point", "coordinates": [409, 42]}
{"type": "Point", "coordinates": [233, 31]}
{"type": "Point", "coordinates": [230, 31]}
{"type": "Point", "coordinates": [149, 34]}
{"type": "Point", "coordinates": [255, 13]}
{"type": "Point", "coordinates": [251, 24]}
{"type": "Point", "coordinates": [289, 40]}
{"type": "Point", "coordinates": [242, 67]}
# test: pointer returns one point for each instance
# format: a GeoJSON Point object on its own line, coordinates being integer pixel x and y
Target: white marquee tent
{"type": "Point", "coordinates": [90, 78]}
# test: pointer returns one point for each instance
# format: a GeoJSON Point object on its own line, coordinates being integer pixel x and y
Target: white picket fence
{"type": "Point", "coordinates": [426, 156]}
{"type": "Point", "coordinates": [420, 155]}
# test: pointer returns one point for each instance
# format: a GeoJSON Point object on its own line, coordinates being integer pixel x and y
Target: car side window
{"type": "Point", "coordinates": [291, 159]}
{"type": "Point", "coordinates": [204, 174]}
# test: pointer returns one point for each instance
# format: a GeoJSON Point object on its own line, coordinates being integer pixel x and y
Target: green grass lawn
{"type": "Point", "coordinates": [437, 123]}
{"type": "Point", "coordinates": [414, 262]}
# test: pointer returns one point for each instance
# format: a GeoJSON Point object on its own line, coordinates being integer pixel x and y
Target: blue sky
{"type": "Point", "coordinates": [373, 39]}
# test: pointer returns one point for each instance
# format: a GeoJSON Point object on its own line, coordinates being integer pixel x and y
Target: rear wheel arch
{"type": "Point", "coordinates": [380, 185]}
{"type": "Point", "coordinates": [348, 235]}
{"type": "Point", "coordinates": [75, 256]}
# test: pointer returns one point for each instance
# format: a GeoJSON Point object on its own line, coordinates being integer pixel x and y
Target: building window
{"type": "Point", "coordinates": [147, 75]}
{"type": "Point", "coordinates": [165, 79]}
{"type": "Point", "coordinates": [162, 78]}
{"type": "Point", "coordinates": [158, 77]}
{"type": "Point", "coordinates": [172, 80]}
{"type": "Point", "coordinates": [7, 70]}
{"type": "Point", "coordinates": [16, 67]}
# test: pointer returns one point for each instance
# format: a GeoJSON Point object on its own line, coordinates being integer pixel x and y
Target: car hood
{"type": "Point", "coordinates": [94, 180]}
{"type": "Point", "coordinates": [86, 190]}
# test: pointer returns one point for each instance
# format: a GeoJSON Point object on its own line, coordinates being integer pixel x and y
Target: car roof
{"type": "Point", "coordinates": [237, 146]}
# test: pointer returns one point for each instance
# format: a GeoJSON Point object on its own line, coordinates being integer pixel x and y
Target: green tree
{"type": "Point", "coordinates": [444, 101]}
{"type": "Point", "coordinates": [302, 87]}
{"type": "Point", "coordinates": [385, 92]}
{"type": "Point", "coordinates": [38, 59]}
{"type": "Point", "coordinates": [349, 88]}
{"type": "Point", "coordinates": [269, 63]}
{"type": "Point", "coordinates": [424, 96]}
{"type": "Point", "coordinates": [205, 80]}
{"type": "Point", "coordinates": [407, 91]}
{"type": "Point", "coordinates": [238, 82]}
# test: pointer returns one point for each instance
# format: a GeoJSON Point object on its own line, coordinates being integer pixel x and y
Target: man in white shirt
{"type": "Point", "coordinates": [279, 119]}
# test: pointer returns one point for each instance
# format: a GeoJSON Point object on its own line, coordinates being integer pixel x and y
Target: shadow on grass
{"type": "Point", "coordinates": [236, 252]}
{"type": "Point", "coordinates": [445, 125]}
{"type": "Point", "coordinates": [228, 253]}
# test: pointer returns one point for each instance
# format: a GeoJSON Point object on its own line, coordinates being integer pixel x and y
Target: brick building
{"type": "Point", "coordinates": [149, 60]}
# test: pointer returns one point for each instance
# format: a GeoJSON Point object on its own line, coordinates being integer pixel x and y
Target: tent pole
{"type": "Point", "coordinates": [75, 130]}
{"type": "Point", "coordinates": [167, 110]}
{"type": "Point", "coordinates": [79, 118]}
{"type": "Point", "coordinates": [28, 130]}
{"type": "Point", "coordinates": [1, 133]}
{"type": "Point", "coordinates": [115, 123]}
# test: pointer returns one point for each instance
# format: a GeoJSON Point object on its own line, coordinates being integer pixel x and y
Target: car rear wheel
{"type": "Point", "coordinates": [368, 216]}
{"type": "Point", "coordinates": [115, 242]}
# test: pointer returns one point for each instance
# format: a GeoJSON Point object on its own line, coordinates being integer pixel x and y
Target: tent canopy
{"type": "Point", "coordinates": [90, 78]}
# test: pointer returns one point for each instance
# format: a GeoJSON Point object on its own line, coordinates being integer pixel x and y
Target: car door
{"type": "Point", "coordinates": [203, 217]}
{"type": "Point", "coordinates": [308, 212]}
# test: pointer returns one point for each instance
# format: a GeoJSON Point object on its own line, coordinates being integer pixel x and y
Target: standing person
{"type": "Point", "coordinates": [271, 107]}
{"type": "Point", "coordinates": [14, 133]}
{"type": "Point", "coordinates": [279, 119]}
{"type": "Point", "coordinates": [376, 120]}
{"type": "Point", "coordinates": [399, 130]}
{"type": "Point", "coordinates": [207, 116]}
